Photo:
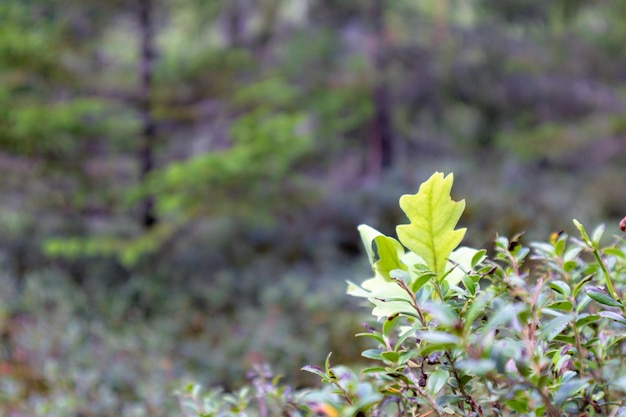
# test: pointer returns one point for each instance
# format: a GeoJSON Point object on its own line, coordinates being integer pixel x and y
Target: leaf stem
{"type": "Point", "coordinates": [468, 398]}
{"type": "Point", "coordinates": [414, 304]}
{"type": "Point", "coordinates": [596, 254]}
{"type": "Point", "coordinates": [607, 276]}
{"type": "Point", "coordinates": [424, 393]}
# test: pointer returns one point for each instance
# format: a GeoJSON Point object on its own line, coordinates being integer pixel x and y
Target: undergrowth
{"type": "Point", "coordinates": [533, 330]}
{"type": "Point", "coordinates": [98, 351]}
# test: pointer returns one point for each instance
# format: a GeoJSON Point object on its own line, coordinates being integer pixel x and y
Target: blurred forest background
{"type": "Point", "coordinates": [182, 179]}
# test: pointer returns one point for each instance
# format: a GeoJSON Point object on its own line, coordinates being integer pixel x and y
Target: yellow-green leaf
{"type": "Point", "coordinates": [434, 216]}
{"type": "Point", "coordinates": [387, 253]}
{"type": "Point", "coordinates": [368, 234]}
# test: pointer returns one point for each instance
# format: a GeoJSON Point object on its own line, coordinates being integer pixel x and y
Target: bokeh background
{"type": "Point", "coordinates": [181, 180]}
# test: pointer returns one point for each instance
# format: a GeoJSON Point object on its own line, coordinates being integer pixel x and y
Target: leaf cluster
{"type": "Point", "coordinates": [533, 330]}
{"type": "Point", "coordinates": [536, 330]}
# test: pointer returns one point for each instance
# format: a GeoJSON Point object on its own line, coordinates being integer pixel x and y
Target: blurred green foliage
{"type": "Point", "coordinates": [111, 351]}
{"type": "Point", "coordinates": [532, 331]}
{"type": "Point", "coordinates": [267, 124]}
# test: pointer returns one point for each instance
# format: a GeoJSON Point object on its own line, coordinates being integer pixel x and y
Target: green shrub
{"type": "Point", "coordinates": [531, 331]}
{"type": "Point", "coordinates": [105, 351]}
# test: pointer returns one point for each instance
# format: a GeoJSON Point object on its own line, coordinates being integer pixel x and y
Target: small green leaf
{"type": "Point", "coordinates": [387, 252]}
{"type": "Point", "coordinates": [584, 319]}
{"type": "Point", "coordinates": [572, 253]}
{"type": "Point", "coordinates": [568, 389]}
{"type": "Point", "coordinates": [521, 405]}
{"type": "Point", "coordinates": [314, 369]}
{"type": "Point", "coordinates": [373, 370]}
{"type": "Point", "coordinates": [614, 252]}
{"type": "Point", "coordinates": [569, 266]}
{"type": "Point", "coordinates": [478, 257]}
{"type": "Point", "coordinates": [580, 284]}
{"type": "Point", "coordinates": [437, 380]}
{"type": "Point", "coordinates": [438, 338]}
{"type": "Point", "coordinates": [406, 333]}
{"type": "Point", "coordinates": [433, 215]}
{"type": "Point", "coordinates": [555, 326]}
{"type": "Point", "coordinates": [617, 340]}
{"type": "Point", "coordinates": [597, 234]}
{"type": "Point", "coordinates": [561, 287]}
{"type": "Point", "coordinates": [563, 305]}
{"type": "Point", "coordinates": [442, 313]}
{"type": "Point", "coordinates": [619, 384]}
{"type": "Point", "coordinates": [459, 264]}
{"type": "Point", "coordinates": [421, 280]}
{"type": "Point", "coordinates": [583, 232]}
{"type": "Point", "coordinates": [503, 315]}
{"type": "Point", "coordinates": [389, 323]}
{"type": "Point", "coordinates": [601, 296]}
{"type": "Point", "coordinates": [400, 275]}
{"type": "Point", "coordinates": [375, 336]}
{"type": "Point", "coordinates": [469, 284]}
{"type": "Point", "coordinates": [327, 362]}
{"type": "Point", "coordinates": [404, 357]}
{"type": "Point", "coordinates": [387, 296]}
{"type": "Point", "coordinates": [543, 248]}
{"type": "Point", "coordinates": [520, 253]}
{"type": "Point", "coordinates": [368, 234]}
{"type": "Point", "coordinates": [391, 356]}
{"type": "Point", "coordinates": [385, 307]}
{"type": "Point", "coordinates": [477, 366]}
{"type": "Point", "coordinates": [613, 316]}
{"type": "Point", "coordinates": [356, 291]}
{"type": "Point", "coordinates": [565, 339]}
{"type": "Point", "coordinates": [372, 354]}
{"type": "Point", "coordinates": [474, 311]}
{"type": "Point", "coordinates": [560, 244]}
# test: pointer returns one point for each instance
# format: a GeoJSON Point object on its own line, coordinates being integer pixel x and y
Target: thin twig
{"type": "Point", "coordinates": [468, 398]}
{"type": "Point", "coordinates": [414, 304]}
{"type": "Point", "coordinates": [431, 401]}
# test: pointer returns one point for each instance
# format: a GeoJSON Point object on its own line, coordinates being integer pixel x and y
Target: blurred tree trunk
{"type": "Point", "coordinates": [268, 22]}
{"type": "Point", "coordinates": [380, 154]}
{"type": "Point", "coordinates": [234, 22]}
{"type": "Point", "coordinates": [148, 124]}
{"type": "Point", "coordinates": [440, 27]}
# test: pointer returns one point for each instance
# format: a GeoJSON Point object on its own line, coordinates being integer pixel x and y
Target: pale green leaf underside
{"type": "Point", "coordinates": [459, 264]}
{"type": "Point", "coordinates": [384, 253]}
{"type": "Point", "coordinates": [434, 216]}
{"type": "Point", "coordinates": [389, 298]}
{"type": "Point", "coordinates": [387, 254]}
{"type": "Point", "coordinates": [368, 234]}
